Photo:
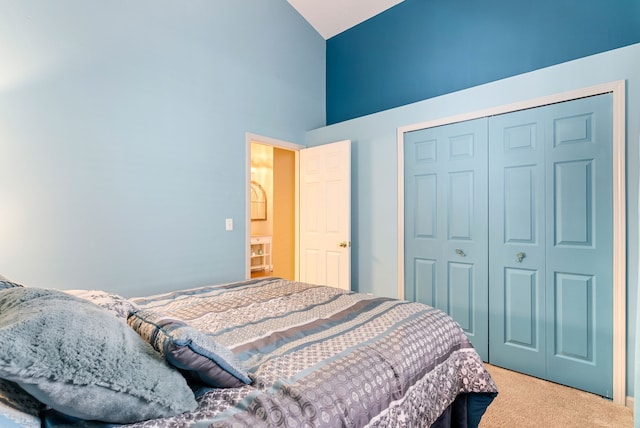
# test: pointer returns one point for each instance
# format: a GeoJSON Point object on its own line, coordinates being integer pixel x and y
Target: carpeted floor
{"type": "Point", "coordinates": [525, 401]}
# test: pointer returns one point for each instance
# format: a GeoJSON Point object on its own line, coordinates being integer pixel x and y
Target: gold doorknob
{"type": "Point", "coordinates": [345, 244]}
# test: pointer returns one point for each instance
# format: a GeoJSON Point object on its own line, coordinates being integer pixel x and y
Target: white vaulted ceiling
{"type": "Point", "coordinates": [331, 17]}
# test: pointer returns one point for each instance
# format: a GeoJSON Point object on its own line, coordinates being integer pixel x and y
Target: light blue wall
{"type": "Point", "coordinates": [122, 134]}
{"type": "Point", "coordinates": [374, 162]}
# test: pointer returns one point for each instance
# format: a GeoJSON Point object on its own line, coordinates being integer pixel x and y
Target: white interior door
{"type": "Point", "coordinates": [325, 215]}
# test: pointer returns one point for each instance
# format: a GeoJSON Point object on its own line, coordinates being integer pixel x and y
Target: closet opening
{"type": "Point", "coordinates": [618, 223]}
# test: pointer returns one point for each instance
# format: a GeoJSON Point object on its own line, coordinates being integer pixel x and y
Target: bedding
{"type": "Point", "coordinates": [114, 303]}
{"type": "Point", "coordinates": [17, 408]}
{"type": "Point", "coordinates": [5, 283]}
{"type": "Point", "coordinates": [312, 356]}
{"type": "Point", "coordinates": [79, 359]}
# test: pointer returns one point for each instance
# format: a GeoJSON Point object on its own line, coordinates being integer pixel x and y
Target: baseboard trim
{"type": "Point", "coordinates": [629, 402]}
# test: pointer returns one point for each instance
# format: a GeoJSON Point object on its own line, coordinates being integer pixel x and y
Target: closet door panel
{"type": "Point", "coordinates": [446, 258]}
{"type": "Point", "coordinates": [573, 308]}
{"type": "Point", "coordinates": [573, 203]}
{"type": "Point", "coordinates": [460, 209]}
{"type": "Point", "coordinates": [517, 242]}
{"type": "Point", "coordinates": [424, 285]}
{"type": "Point", "coordinates": [519, 204]}
{"type": "Point", "coordinates": [579, 255]}
{"type": "Point", "coordinates": [461, 289]}
{"type": "Point", "coordinates": [426, 206]}
{"type": "Point", "coordinates": [521, 309]}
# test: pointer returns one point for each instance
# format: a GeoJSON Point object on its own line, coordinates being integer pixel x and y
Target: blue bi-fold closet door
{"type": "Point", "coordinates": [508, 228]}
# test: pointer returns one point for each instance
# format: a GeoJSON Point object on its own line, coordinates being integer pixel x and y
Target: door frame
{"type": "Point", "coordinates": [268, 141]}
{"type": "Point", "coordinates": [618, 90]}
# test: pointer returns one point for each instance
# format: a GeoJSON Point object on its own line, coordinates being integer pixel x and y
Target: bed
{"type": "Point", "coordinates": [266, 352]}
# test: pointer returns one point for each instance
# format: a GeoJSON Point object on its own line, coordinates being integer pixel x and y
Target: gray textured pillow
{"type": "Point", "coordinates": [82, 361]}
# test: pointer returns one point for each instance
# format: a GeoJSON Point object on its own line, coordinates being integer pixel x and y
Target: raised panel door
{"type": "Point", "coordinates": [445, 219]}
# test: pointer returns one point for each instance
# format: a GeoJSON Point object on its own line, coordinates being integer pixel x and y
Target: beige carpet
{"type": "Point", "coordinates": [525, 401]}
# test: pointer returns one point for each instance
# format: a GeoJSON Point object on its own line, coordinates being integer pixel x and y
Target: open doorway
{"type": "Point", "coordinates": [271, 208]}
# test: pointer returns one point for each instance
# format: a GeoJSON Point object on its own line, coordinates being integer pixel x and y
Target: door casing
{"type": "Point", "coordinates": [345, 281]}
{"type": "Point", "coordinates": [249, 137]}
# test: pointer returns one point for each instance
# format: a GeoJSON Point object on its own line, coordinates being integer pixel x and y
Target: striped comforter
{"type": "Point", "coordinates": [324, 357]}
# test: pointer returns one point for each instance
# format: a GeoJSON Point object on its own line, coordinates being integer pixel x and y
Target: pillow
{"type": "Point", "coordinates": [11, 418]}
{"type": "Point", "coordinates": [199, 356]}
{"type": "Point", "coordinates": [114, 303]}
{"type": "Point", "coordinates": [17, 408]}
{"type": "Point", "coordinates": [5, 283]}
{"type": "Point", "coordinates": [82, 361]}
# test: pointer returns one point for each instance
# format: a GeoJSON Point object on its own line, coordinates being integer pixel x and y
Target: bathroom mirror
{"type": "Point", "coordinates": [258, 202]}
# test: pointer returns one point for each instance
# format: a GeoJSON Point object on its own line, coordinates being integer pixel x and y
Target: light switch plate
{"type": "Point", "coordinates": [229, 224]}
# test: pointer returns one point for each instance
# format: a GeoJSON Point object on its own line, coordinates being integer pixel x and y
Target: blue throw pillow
{"type": "Point", "coordinates": [81, 360]}
{"type": "Point", "coordinates": [195, 353]}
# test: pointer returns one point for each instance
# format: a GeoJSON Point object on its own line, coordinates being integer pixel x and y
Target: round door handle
{"type": "Point", "coordinates": [344, 244]}
{"type": "Point", "coordinates": [520, 256]}
{"type": "Point", "coordinates": [460, 253]}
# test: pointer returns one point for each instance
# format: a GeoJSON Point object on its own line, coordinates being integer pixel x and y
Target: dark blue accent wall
{"type": "Point", "coordinates": [424, 48]}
